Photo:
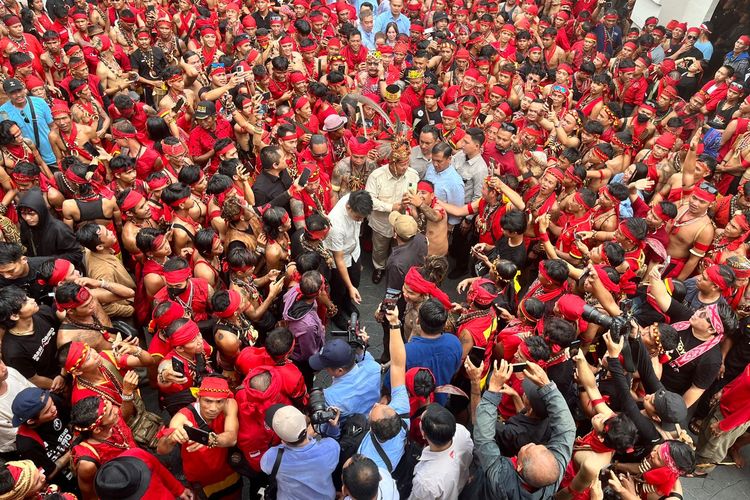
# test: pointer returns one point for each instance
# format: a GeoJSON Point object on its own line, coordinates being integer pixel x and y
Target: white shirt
{"type": "Point", "coordinates": [443, 474]}
{"type": "Point", "coordinates": [386, 190]}
{"type": "Point", "coordinates": [473, 172]}
{"type": "Point", "coordinates": [344, 233]}
{"type": "Point", "coordinates": [386, 487]}
{"type": "Point", "coordinates": [16, 383]}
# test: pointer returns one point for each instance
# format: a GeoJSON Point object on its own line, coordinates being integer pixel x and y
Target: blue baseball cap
{"type": "Point", "coordinates": [28, 404]}
{"type": "Point", "coordinates": [335, 354]}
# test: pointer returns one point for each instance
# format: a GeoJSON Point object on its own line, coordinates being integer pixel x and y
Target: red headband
{"type": "Point", "coordinates": [119, 134]}
{"type": "Point", "coordinates": [175, 312]}
{"type": "Point", "coordinates": [659, 212]}
{"type": "Point", "coordinates": [425, 186]}
{"type": "Point", "coordinates": [131, 200]}
{"type": "Point", "coordinates": [158, 241]}
{"type": "Point", "coordinates": [81, 297]}
{"type": "Point", "coordinates": [524, 348]}
{"type": "Point", "coordinates": [59, 272]}
{"type": "Point", "coordinates": [580, 199]}
{"type": "Point", "coordinates": [418, 284]}
{"type": "Point", "coordinates": [319, 234]}
{"type": "Point", "coordinates": [300, 103]}
{"type": "Point", "coordinates": [610, 285]}
{"type": "Point", "coordinates": [177, 275]}
{"type": "Point", "coordinates": [704, 195]}
{"type": "Point", "coordinates": [76, 355]}
{"type": "Point", "coordinates": [173, 149]}
{"type": "Point", "coordinates": [72, 176]}
{"type": "Point", "coordinates": [184, 334]}
{"type": "Point", "coordinates": [158, 183]}
{"type": "Point", "coordinates": [625, 230]}
{"type": "Point", "coordinates": [478, 294]}
{"type": "Point", "coordinates": [715, 276]}
{"type": "Point", "coordinates": [235, 299]}
{"type": "Point", "coordinates": [570, 172]}
{"type": "Point", "coordinates": [226, 149]}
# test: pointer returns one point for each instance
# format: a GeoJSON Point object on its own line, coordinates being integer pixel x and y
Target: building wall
{"type": "Point", "coordinates": [693, 12]}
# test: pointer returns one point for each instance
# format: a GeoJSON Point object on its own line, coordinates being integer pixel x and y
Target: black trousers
{"type": "Point", "coordinates": [339, 291]}
{"type": "Point", "coordinates": [461, 245]}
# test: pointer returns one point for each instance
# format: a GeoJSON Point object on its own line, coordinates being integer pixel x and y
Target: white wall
{"type": "Point", "coordinates": [693, 12]}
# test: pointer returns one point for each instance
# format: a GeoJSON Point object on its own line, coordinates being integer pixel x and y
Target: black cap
{"type": "Point", "coordinates": [439, 16]}
{"type": "Point", "coordinates": [337, 353]}
{"type": "Point", "coordinates": [671, 409]}
{"type": "Point", "coordinates": [123, 478]}
{"type": "Point", "coordinates": [28, 404]}
{"type": "Point", "coordinates": [205, 109]}
{"type": "Point", "coordinates": [12, 85]}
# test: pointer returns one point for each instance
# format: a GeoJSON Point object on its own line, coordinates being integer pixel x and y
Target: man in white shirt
{"type": "Point", "coordinates": [11, 383]}
{"type": "Point", "coordinates": [364, 480]}
{"type": "Point", "coordinates": [387, 185]}
{"type": "Point", "coordinates": [343, 241]}
{"type": "Point", "coordinates": [443, 467]}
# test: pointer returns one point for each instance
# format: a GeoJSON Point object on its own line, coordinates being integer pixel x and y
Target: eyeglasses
{"type": "Point", "coordinates": [320, 155]}
{"type": "Point", "coordinates": [692, 38]}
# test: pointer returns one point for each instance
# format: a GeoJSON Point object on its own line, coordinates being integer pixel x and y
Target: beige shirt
{"type": "Point", "coordinates": [108, 267]}
{"type": "Point", "coordinates": [387, 190]}
{"type": "Point", "coordinates": [443, 474]}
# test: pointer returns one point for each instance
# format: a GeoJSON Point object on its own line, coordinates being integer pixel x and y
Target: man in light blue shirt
{"type": "Point", "coordinates": [449, 186]}
{"type": "Point", "coordinates": [366, 30]}
{"type": "Point", "coordinates": [356, 383]}
{"type": "Point", "coordinates": [28, 113]}
{"type": "Point", "coordinates": [387, 425]}
{"type": "Point", "coordinates": [306, 464]}
{"type": "Point", "coordinates": [393, 16]}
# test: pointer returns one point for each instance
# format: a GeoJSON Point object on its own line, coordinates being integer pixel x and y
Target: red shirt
{"type": "Point", "coordinates": [733, 403]}
{"type": "Point", "coordinates": [292, 381]}
{"type": "Point", "coordinates": [205, 466]}
{"type": "Point", "coordinates": [201, 141]}
{"type": "Point", "coordinates": [504, 162]}
{"type": "Point", "coordinates": [353, 60]}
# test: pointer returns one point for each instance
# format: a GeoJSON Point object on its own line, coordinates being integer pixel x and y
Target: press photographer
{"type": "Point", "coordinates": [355, 374]}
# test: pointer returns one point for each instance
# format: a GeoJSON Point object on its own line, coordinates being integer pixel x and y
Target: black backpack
{"type": "Point", "coordinates": [354, 431]}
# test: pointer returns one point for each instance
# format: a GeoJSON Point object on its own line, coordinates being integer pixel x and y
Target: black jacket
{"type": "Point", "coordinates": [50, 237]}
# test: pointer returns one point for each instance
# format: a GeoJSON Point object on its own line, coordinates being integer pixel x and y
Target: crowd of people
{"type": "Point", "coordinates": [189, 192]}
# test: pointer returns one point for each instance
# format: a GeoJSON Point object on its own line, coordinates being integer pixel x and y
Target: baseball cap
{"type": "Point", "coordinates": [11, 85]}
{"type": "Point", "coordinates": [531, 390]}
{"type": "Point", "coordinates": [28, 404]}
{"type": "Point", "coordinates": [336, 353]}
{"type": "Point", "coordinates": [439, 16]}
{"type": "Point", "coordinates": [671, 409]}
{"type": "Point", "coordinates": [287, 422]}
{"type": "Point", "coordinates": [333, 122]}
{"type": "Point", "coordinates": [205, 109]}
{"type": "Point", "coordinates": [404, 225]}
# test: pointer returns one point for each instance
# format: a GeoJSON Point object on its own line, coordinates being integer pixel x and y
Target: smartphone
{"type": "Point", "coordinates": [304, 177]}
{"type": "Point", "coordinates": [197, 435]}
{"type": "Point", "coordinates": [574, 347]}
{"type": "Point", "coordinates": [280, 277]}
{"type": "Point", "coordinates": [412, 188]}
{"type": "Point", "coordinates": [263, 109]}
{"type": "Point", "coordinates": [476, 355]}
{"type": "Point", "coordinates": [519, 367]}
{"type": "Point", "coordinates": [178, 366]}
{"type": "Point", "coordinates": [178, 105]}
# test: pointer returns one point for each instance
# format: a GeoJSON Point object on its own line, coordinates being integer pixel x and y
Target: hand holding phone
{"type": "Point", "coordinates": [178, 366]}
{"type": "Point", "coordinates": [304, 177]}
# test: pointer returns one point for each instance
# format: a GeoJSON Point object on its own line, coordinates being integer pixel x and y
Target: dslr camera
{"type": "Point", "coordinates": [318, 409]}
{"type": "Point", "coordinates": [352, 334]}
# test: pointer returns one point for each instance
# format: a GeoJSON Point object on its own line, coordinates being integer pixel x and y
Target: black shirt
{"type": "Point", "coordinates": [34, 354]}
{"type": "Point", "coordinates": [272, 189]}
{"type": "Point", "coordinates": [56, 438]}
{"type": "Point", "coordinates": [146, 66]}
{"type": "Point", "coordinates": [516, 254]}
{"type": "Point", "coordinates": [29, 283]}
{"type": "Point", "coordinates": [262, 22]}
{"type": "Point", "coordinates": [700, 372]}
{"type": "Point", "coordinates": [402, 258]}
{"type": "Point", "coordinates": [521, 430]}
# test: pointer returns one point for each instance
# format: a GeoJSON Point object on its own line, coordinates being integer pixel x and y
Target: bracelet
{"type": "Point", "coordinates": [138, 352]}
{"type": "Point", "coordinates": [128, 397]}
{"type": "Point", "coordinates": [396, 326]}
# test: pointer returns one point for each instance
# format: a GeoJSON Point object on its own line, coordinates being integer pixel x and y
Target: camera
{"type": "Point", "coordinates": [618, 327]}
{"type": "Point", "coordinates": [352, 333]}
{"type": "Point", "coordinates": [320, 412]}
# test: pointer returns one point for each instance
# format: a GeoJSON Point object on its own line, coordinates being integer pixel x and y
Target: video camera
{"type": "Point", "coordinates": [352, 334]}
{"type": "Point", "coordinates": [618, 326]}
{"type": "Point", "coordinates": [318, 409]}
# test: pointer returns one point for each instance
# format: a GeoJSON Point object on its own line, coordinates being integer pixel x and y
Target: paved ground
{"type": "Point", "coordinates": [725, 483]}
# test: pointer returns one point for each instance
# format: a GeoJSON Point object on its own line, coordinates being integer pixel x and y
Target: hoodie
{"type": "Point", "coordinates": [255, 437]}
{"type": "Point", "coordinates": [50, 237]}
{"type": "Point", "coordinates": [304, 323]}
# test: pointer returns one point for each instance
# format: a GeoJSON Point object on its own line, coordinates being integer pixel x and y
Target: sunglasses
{"type": "Point", "coordinates": [708, 188]}
{"type": "Point", "coordinates": [692, 38]}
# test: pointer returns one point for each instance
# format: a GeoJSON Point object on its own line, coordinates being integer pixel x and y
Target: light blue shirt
{"type": "Point", "coordinates": [368, 39]}
{"type": "Point", "coordinates": [449, 187]}
{"type": "Point", "coordinates": [358, 390]}
{"type": "Point", "coordinates": [24, 121]}
{"type": "Point", "coordinates": [382, 20]}
{"type": "Point", "coordinates": [304, 472]}
{"type": "Point", "coordinates": [707, 48]}
{"type": "Point", "coordinates": [393, 448]}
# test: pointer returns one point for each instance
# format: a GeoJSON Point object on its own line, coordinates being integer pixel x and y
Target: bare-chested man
{"type": "Point", "coordinates": [351, 173]}
{"type": "Point", "coordinates": [109, 71]}
{"type": "Point", "coordinates": [54, 60]}
{"type": "Point", "coordinates": [69, 138]}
